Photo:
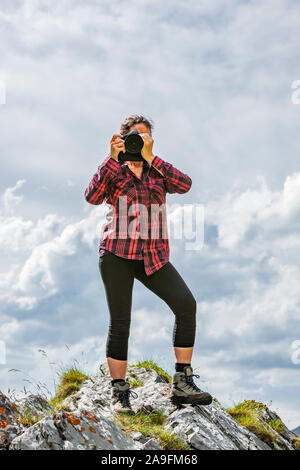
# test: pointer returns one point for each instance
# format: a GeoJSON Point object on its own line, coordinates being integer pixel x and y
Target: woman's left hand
{"type": "Point", "coordinates": [146, 151]}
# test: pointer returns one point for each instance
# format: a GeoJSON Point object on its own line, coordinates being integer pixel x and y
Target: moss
{"type": "Point", "coordinates": [151, 425]}
{"type": "Point", "coordinates": [247, 414]}
{"type": "Point", "coordinates": [150, 364]}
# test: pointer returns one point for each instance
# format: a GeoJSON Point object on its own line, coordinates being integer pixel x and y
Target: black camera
{"type": "Point", "coordinates": [133, 146]}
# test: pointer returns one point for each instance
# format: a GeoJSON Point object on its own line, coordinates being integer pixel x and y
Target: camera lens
{"type": "Point", "coordinates": [134, 143]}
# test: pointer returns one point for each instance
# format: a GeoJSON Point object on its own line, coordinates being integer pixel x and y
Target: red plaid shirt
{"type": "Point", "coordinates": [140, 232]}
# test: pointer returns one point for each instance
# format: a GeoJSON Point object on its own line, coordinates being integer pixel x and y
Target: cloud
{"type": "Point", "coordinates": [11, 200]}
{"type": "Point", "coordinates": [39, 248]}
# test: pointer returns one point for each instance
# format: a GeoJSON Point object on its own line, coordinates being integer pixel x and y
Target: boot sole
{"type": "Point", "coordinates": [176, 400]}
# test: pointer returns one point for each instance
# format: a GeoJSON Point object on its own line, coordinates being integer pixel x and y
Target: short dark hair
{"type": "Point", "coordinates": [135, 119]}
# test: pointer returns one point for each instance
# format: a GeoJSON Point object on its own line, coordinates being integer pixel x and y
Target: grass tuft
{"type": "Point", "coordinates": [135, 383]}
{"type": "Point", "coordinates": [150, 425]}
{"type": "Point", "coordinates": [296, 443]}
{"type": "Point", "coordinates": [27, 418]}
{"type": "Point", "coordinates": [247, 414]}
{"type": "Point", "coordinates": [277, 425]}
{"type": "Point", "coordinates": [70, 382]}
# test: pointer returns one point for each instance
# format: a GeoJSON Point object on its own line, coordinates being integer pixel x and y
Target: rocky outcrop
{"type": "Point", "coordinates": [88, 423]}
{"type": "Point", "coordinates": [79, 430]}
{"type": "Point", "coordinates": [34, 405]}
{"type": "Point", "coordinates": [9, 421]}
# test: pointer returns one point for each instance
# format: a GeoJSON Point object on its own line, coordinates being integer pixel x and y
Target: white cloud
{"type": "Point", "coordinates": [11, 200]}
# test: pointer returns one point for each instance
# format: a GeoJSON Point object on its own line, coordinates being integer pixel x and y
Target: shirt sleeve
{"type": "Point", "coordinates": [175, 181]}
{"type": "Point", "coordinates": [99, 187]}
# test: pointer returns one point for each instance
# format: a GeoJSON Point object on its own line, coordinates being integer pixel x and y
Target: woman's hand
{"type": "Point", "coordinates": [117, 145]}
{"type": "Point", "coordinates": [146, 152]}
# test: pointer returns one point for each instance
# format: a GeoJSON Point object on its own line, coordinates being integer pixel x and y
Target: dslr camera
{"type": "Point", "coordinates": [133, 146]}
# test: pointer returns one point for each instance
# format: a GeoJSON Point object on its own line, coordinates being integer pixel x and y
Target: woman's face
{"type": "Point", "coordinates": [141, 128]}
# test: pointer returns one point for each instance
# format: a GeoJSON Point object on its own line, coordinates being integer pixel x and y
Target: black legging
{"type": "Point", "coordinates": [118, 276]}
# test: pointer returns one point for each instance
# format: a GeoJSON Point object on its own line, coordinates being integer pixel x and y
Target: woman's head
{"type": "Point", "coordinates": [138, 122]}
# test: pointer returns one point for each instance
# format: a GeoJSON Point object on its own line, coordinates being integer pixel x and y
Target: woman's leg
{"type": "Point", "coordinates": [183, 355]}
{"type": "Point", "coordinates": [118, 277]}
{"type": "Point", "coordinates": [169, 286]}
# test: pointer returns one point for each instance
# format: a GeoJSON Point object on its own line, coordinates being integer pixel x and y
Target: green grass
{"type": "Point", "coordinates": [27, 418]}
{"type": "Point", "coordinates": [150, 425]}
{"type": "Point", "coordinates": [247, 414]}
{"type": "Point", "coordinates": [296, 443]}
{"type": "Point", "coordinates": [277, 425]}
{"type": "Point", "coordinates": [135, 382]}
{"type": "Point", "coordinates": [70, 382]}
{"type": "Point", "coordinates": [150, 364]}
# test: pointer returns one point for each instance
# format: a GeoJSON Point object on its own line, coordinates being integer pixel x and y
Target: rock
{"type": "Point", "coordinates": [153, 397]}
{"type": "Point", "coordinates": [88, 423]}
{"type": "Point", "coordinates": [137, 373]}
{"type": "Point", "coordinates": [80, 430]}
{"type": "Point", "coordinates": [93, 396]}
{"type": "Point", "coordinates": [149, 443]}
{"type": "Point", "coordinates": [33, 404]}
{"type": "Point", "coordinates": [152, 444]}
{"type": "Point", "coordinates": [212, 428]}
{"type": "Point", "coordinates": [267, 415]}
{"type": "Point", "coordinates": [9, 422]}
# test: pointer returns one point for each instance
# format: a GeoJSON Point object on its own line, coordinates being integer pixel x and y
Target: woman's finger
{"type": "Point", "coordinates": [115, 137]}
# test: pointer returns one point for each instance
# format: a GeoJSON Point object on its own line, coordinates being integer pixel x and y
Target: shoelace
{"type": "Point", "coordinates": [124, 396]}
{"type": "Point", "coordinates": [190, 381]}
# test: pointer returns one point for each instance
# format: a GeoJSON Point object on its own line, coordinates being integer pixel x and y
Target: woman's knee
{"type": "Point", "coordinates": [120, 328]}
{"type": "Point", "coordinates": [186, 305]}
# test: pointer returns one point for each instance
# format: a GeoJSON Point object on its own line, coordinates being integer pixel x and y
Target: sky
{"type": "Point", "coordinates": [217, 80]}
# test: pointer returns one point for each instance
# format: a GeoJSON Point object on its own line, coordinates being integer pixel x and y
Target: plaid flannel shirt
{"type": "Point", "coordinates": [136, 228]}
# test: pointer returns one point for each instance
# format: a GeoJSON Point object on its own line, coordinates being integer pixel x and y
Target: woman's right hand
{"type": "Point", "coordinates": [117, 145]}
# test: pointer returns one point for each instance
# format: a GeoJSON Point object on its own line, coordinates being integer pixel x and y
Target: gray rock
{"type": "Point", "coordinates": [89, 423]}
{"type": "Point", "coordinates": [285, 435]}
{"type": "Point", "coordinates": [9, 421]}
{"type": "Point", "coordinates": [152, 444]}
{"type": "Point", "coordinates": [33, 404]}
{"type": "Point", "coordinates": [148, 443]}
{"type": "Point", "coordinates": [93, 396]}
{"type": "Point", "coordinates": [140, 373]}
{"type": "Point", "coordinates": [79, 430]}
{"type": "Point", "coordinates": [212, 428]}
{"type": "Point", "coordinates": [153, 397]}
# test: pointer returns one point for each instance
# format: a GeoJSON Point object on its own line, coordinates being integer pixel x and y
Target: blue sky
{"type": "Point", "coordinates": [215, 77]}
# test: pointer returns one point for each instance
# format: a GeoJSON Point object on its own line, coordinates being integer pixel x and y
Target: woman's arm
{"type": "Point", "coordinates": [175, 181]}
{"type": "Point", "coordinates": [99, 187]}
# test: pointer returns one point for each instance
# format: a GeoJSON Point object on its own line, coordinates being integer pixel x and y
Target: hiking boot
{"type": "Point", "coordinates": [120, 403]}
{"type": "Point", "coordinates": [185, 391]}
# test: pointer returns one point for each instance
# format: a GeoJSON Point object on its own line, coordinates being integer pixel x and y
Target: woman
{"type": "Point", "coordinates": [130, 250]}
